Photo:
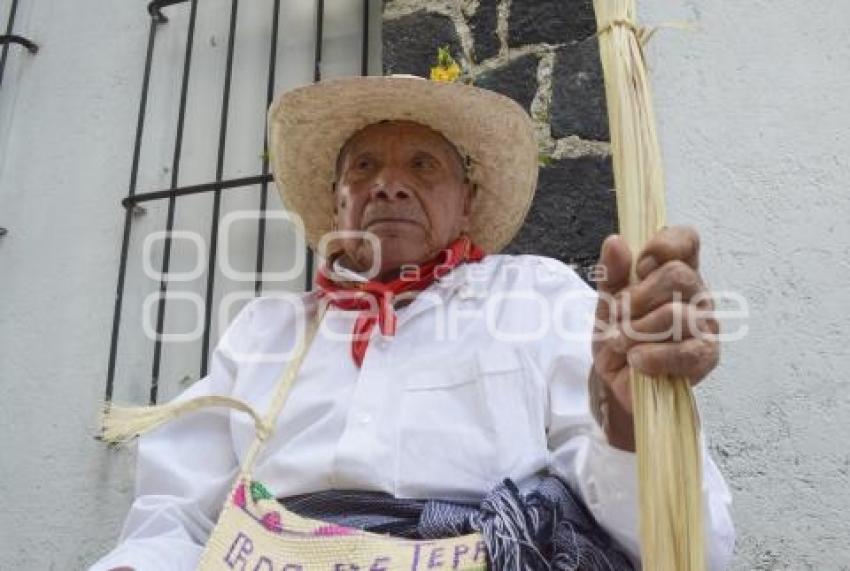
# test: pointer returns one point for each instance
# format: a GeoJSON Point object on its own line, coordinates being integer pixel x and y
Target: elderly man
{"type": "Point", "coordinates": [441, 368]}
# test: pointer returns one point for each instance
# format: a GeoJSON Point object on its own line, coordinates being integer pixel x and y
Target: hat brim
{"type": "Point", "coordinates": [309, 125]}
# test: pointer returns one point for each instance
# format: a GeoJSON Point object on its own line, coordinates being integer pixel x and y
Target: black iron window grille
{"type": "Point", "coordinates": [135, 203]}
{"type": "Point", "coordinates": [8, 38]}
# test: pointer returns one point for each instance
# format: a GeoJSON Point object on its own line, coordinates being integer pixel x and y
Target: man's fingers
{"type": "Point", "coordinates": [675, 281]}
{"type": "Point", "coordinates": [670, 243]}
{"type": "Point", "coordinates": [673, 322]}
{"type": "Point", "coordinates": [692, 358]}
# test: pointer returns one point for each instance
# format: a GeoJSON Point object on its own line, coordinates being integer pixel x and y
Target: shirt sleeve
{"type": "Point", "coordinates": [184, 470]}
{"type": "Point", "coordinates": [606, 477]}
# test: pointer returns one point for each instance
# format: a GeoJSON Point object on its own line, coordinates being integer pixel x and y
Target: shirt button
{"type": "Point", "coordinates": [365, 418]}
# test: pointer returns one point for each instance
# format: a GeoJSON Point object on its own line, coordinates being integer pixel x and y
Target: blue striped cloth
{"type": "Point", "coordinates": [547, 528]}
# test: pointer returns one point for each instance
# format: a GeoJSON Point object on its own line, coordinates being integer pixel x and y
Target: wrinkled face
{"type": "Point", "coordinates": [404, 183]}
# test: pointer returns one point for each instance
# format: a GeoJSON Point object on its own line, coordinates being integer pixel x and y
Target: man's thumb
{"type": "Point", "coordinates": [614, 266]}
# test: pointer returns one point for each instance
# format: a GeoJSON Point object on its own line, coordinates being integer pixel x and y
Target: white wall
{"type": "Point", "coordinates": [755, 132]}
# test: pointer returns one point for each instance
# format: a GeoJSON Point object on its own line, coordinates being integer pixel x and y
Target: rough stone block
{"type": "Point", "coordinates": [559, 22]}
{"type": "Point", "coordinates": [516, 79]}
{"type": "Point", "coordinates": [573, 211]}
{"type": "Point", "coordinates": [482, 24]}
{"type": "Point", "coordinates": [578, 93]}
{"type": "Point", "coordinates": [410, 42]}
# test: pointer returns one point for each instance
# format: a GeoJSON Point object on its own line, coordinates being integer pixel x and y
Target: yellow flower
{"type": "Point", "coordinates": [447, 70]}
{"type": "Point", "coordinates": [448, 75]}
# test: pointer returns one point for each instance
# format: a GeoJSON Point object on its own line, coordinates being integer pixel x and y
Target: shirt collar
{"type": "Point", "coordinates": [345, 273]}
{"type": "Point", "coordinates": [468, 281]}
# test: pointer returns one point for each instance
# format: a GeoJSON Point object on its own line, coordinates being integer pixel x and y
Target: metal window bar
{"type": "Point", "coordinates": [8, 38]}
{"type": "Point", "coordinates": [133, 199]}
{"type": "Point", "coordinates": [264, 185]}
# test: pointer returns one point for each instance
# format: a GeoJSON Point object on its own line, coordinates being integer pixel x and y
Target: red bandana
{"type": "Point", "coordinates": [375, 299]}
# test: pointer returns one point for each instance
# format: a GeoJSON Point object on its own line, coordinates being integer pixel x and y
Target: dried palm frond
{"type": "Point", "coordinates": [666, 423]}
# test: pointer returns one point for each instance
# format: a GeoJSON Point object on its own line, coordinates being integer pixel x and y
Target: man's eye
{"type": "Point", "coordinates": [422, 163]}
{"type": "Point", "coordinates": [363, 164]}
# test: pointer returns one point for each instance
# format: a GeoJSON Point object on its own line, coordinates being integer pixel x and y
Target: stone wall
{"type": "Point", "coordinates": [544, 55]}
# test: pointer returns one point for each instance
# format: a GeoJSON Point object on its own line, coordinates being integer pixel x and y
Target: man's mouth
{"type": "Point", "coordinates": [389, 221]}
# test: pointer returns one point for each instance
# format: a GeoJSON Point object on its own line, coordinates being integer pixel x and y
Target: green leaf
{"type": "Point", "coordinates": [259, 492]}
{"type": "Point", "coordinates": [444, 57]}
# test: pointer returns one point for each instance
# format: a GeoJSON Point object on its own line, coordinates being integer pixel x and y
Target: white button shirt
{"type": "Point", "coordinates": [486, 378]}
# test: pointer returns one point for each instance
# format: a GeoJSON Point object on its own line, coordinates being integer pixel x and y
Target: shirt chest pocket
{"type": "Point", "coordinates": [465, 425]}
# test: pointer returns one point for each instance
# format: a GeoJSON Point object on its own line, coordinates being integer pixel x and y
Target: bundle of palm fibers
{"type": "Point", "coordinates": [666, 424]}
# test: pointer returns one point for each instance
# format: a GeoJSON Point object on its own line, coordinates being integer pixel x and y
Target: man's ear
{"type": "Point", "coordinates": [471, 191]}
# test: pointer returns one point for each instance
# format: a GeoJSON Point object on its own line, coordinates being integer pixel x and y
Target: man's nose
{"type": "Point", "coordinates": [389, 185]}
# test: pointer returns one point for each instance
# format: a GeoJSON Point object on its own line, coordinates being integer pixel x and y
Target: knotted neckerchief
{"type": "Point", "coordinates": [375, 299]}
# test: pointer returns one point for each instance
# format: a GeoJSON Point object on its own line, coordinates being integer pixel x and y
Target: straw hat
{"type": "Point", "coordinates": [309, 125]}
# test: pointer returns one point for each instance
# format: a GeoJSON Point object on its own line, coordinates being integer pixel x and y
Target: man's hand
{"type": "Point", "coordinates": [661, 324]}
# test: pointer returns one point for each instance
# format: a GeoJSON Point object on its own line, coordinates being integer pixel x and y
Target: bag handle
{"type": "Point", "coordinates": [266, 427]}
{"type": "Point", "coordinates": [120, 424]}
